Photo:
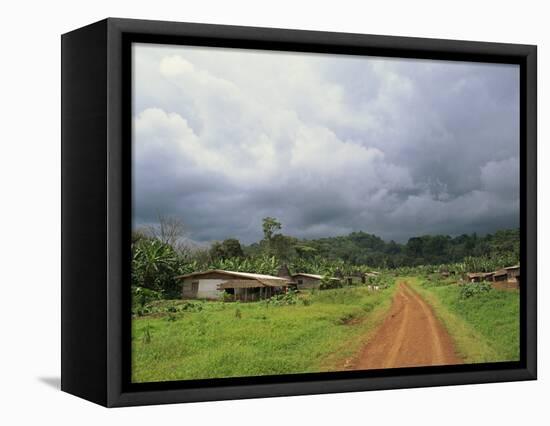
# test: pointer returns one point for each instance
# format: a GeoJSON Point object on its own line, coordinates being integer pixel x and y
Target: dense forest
{"type": "Point", "coordinates": [361, 248]}
{"type": "Point", "coordinates": [159, 253]}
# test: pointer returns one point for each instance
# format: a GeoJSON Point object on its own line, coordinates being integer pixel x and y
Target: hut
{"type": "Point", "coordinates": [241, 285]}
{"type": "Point", "coordinates": [307, 281]}
{"type": "Point", "coordinates": [284, 272]}
{"type": "Point", "coordinates": [500, 275]}
{"type": "Point", "coordinates": [476, 277]}
{"type": "Point", "coordinates": [507, 278]}
{"type": "Point", "coordinates": [512, 274]}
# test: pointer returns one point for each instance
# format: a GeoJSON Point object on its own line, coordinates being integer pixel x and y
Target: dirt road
{"type": "Point", "coordinates": [410, 336]}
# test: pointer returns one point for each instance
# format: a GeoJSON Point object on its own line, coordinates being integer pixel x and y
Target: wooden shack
{"type": "Point", "coordinates": [513, 274]}
{"type": "Point", "coordinates": [307, 281]}
{"type": "Point", "coordinates": [476, 277]}
{"type": "Point", "coordinates": [507, 278]}
{"type": "Point", "coordinates": [240, 285]}
{"type": "Point", "coordinates": [500, 275]}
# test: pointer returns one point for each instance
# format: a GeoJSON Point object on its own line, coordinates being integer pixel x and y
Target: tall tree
{"type": "Point", "coordinates": [270, 225]}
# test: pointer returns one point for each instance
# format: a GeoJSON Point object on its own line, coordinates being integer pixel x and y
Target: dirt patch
{"type": "Point", "coordinates": [410, 336]}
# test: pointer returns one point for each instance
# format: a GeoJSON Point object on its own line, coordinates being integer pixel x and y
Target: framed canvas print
{"type": "Point", "coordinates": [255, 212]}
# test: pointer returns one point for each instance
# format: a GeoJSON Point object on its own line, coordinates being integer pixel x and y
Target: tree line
{"type": "Point", "coordinates": [159, 253]}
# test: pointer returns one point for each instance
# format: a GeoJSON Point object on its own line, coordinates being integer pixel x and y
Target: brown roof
{"type": "Point", "coordinates": [500, 272]}
{"type": "Point", "coordinates": [512, 267]}
{"type": "Point", "coordinates": [252, 283]}
{"type": "Point", "coordinates": [479, 274]}
{"type": "Point", "coordinates": [243, 275]}
{"type": "Point", "coordinates": [317, 277]}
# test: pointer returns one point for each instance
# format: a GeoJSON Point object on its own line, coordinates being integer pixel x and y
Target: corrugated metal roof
{"type": "Point", "coordinates": [479, 274]}
{"type": "Point", "coordinates": [318, 277]}
{"type": "Point", "coordinates": [233, 274]}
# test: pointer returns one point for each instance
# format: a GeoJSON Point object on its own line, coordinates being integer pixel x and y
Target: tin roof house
{"type": "Point", "coordinates": [242, 286]}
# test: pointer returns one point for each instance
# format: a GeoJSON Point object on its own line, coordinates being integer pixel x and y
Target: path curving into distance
{"type": "Point", "coordinates": [410, 336]}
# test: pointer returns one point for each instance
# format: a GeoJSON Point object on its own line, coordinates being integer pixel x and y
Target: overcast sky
{"type": "Point", "coordinates": [328, 144]}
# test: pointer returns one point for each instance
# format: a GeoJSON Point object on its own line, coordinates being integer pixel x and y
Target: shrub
{"type": "Point", "coordinates": [474, 289]}
{"type": "Point", "coordinates": [147, 334]}
{"type": "Point", "coordinates": [288, 298]}
{"type": "Point", "coordinates": [328, 283]}
{"type": "Point", "coordinates": [225, 297]}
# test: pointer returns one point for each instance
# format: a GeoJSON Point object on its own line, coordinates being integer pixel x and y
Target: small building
{"type": "Point", "coordinates": [307, 281]}
{"type": "Point", "coordinates": [284, 272]}
{"type": "Point", "coordinates": [476, 277]}
{"type": "Point", "coordinates": [241, 285]}
{"type": "Point", "coordinates": [512, 274]}
{"type": "Point", "coordinates": [507, 278]}
{"type": "Point", "coordinates": [500, 275]}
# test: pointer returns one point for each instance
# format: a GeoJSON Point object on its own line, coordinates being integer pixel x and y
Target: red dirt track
{"type": "Point", "coordinates": [410, 336]}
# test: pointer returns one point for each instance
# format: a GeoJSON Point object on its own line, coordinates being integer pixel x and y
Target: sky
{"type": "Point", "coordinates": [327, 144]}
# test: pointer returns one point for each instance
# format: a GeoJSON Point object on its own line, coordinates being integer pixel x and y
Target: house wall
{"type": "Point", "coordinates": [513, 274]}
{"type": "Point", "coordinates": [307, 282]}
{"type": "Point", "coordinates": [207, 288]}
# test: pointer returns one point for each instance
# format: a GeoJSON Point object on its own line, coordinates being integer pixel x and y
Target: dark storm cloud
{"type": "Point", "coordinates": [327, 144]}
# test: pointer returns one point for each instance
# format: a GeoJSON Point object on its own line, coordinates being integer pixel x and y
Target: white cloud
{"type": "Point", "coordinates": [327, 144]}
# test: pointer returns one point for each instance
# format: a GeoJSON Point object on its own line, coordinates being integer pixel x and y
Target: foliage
{"type": "Point", "coordinates": [229, 248]}
{"type": "Point", "coordinates": [473, 289]}
{"type": "Point", "coordinates": [329, 283]}
{"type": "Point", "coordinates": [485, 327]}
{"type": "Point", "coordinates": [156, 263]}
{"type": "Point", "coordinates": [142, 296]}
{"type": "Point", "coordinates": [274, 339]}
{"type": "Point", "coordinates": [269, 226]}
{"type": "Point", "coordinates": [154, 266]}
{"type": "Point", "coordinates": [225, 296]}
{"type": "Point", "coordinates": [288, 298]}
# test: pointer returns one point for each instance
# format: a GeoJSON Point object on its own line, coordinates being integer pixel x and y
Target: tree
{"type": "Point", "coordinates": [154, 266]}
{"type": "Point", "coordinates": [232, 248]}
{"type": "Point", "coordinates": [270, 225]}
{"type": "Point", "coordinates": [169, 230]}
{"type": "Point", "coordinates": [227, 249]}
{"type": "Point", "coordinates": [282, 246]}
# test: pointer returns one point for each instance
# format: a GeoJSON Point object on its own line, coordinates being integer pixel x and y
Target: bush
{"type": "Point", "coordinates": [226, 297]}
{"type": "Point", "coordinates": [288, 298]}
{"type": "Point", "coordinates": [142, 296]}
{"type": "Point", "coordinates": [474, 289]}
{"type": "Point", "coordinates": [328, 283]}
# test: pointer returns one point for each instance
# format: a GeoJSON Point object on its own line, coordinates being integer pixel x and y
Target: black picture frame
{"type": "Point", "coordinates": [96, 211]}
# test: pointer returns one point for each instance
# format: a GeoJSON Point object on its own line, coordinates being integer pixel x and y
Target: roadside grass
{"type": "Point", "coordinates": [183, 340]}
{"type": "Point", "coordinates": [484, 327]}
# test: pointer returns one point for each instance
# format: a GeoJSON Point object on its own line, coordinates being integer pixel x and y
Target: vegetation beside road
{"type": "Point", "coordinates": [483, 322]}
{"type": "Point", "coordinates": [297, 333]}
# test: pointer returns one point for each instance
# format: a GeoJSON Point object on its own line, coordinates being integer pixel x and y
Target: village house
{"type": "Point", "coordinates": [509, 276]}
{"type": "Point", "coordinates": [240, 285]}
{"type": "Point", "coordinates": [500, 275]}
{"type": "Point", "coordinates": [476, 277]}
{"type": "Point", "coordinates": [506, 278]}
{"type": "Point", "coordinates": [307, 281]}
{"type": "Point", "coordinates": [512, 273]}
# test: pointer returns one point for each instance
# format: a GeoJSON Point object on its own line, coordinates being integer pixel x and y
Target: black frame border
{"type": "Point", "coordinates": [120, 34]}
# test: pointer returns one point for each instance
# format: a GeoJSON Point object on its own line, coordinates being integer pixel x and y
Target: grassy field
{"type": "Point", "coordinates": [484, 327]}
{"type": "Point", "coordinates": [183, 340]}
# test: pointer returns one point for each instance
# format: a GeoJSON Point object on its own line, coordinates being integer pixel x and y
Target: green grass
{"type": "Point", "coordinates": [484, 327]}
{"type": "Point", "coordinates": [216, 339]}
